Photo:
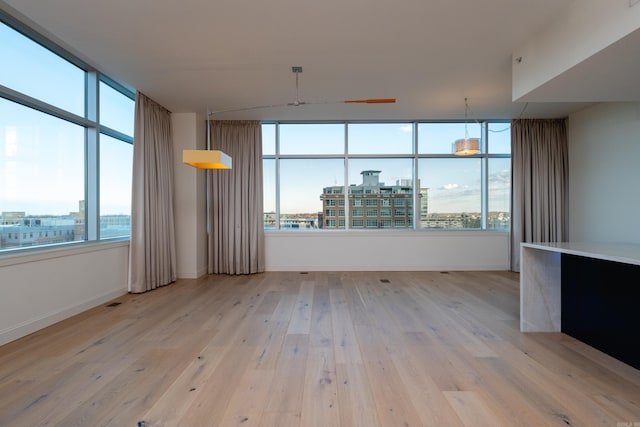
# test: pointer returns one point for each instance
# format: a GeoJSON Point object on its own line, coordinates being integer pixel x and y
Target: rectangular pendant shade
{"type": "Point", "coordinates": [206, 159]}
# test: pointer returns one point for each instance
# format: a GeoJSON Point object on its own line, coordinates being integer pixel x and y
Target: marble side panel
{"type": "Point", "coordinates": [540, 290]}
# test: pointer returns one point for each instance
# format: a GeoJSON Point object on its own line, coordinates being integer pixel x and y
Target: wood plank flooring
{"type": "Point", "coordinates": [315, 349]}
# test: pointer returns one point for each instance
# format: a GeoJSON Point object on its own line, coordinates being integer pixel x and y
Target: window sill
{"type": "Point", "coordinates": [41, 253]}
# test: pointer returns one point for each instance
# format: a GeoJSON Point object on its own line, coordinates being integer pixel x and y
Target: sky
{"type": "Point", "coordinates": [42, 157]}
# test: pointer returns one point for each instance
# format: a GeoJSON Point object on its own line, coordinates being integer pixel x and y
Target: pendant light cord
{"type": "Point", "coordinates": [466, 111]}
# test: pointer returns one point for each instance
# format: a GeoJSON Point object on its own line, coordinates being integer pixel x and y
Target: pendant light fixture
{"type": "Point", "coordinates": [466, 146]}
{"type": "Point", "coordinates": [207, 159]}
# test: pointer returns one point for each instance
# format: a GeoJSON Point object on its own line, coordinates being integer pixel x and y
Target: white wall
{"type": "Point", "coordinates": [189, 132]}
{"type": "Point", "coordinates": [388, 250]}
{"type": "Point", "coordinates": [604, 173]}
{"type": "Point", "coordinates": [43, 287]}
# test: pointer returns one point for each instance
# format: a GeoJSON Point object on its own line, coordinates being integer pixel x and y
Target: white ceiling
{"type": "Point", "coordinates": [199, 56]}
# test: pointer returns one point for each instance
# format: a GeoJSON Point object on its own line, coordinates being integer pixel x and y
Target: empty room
{"type": "Point", "coordinates": [319, 213]}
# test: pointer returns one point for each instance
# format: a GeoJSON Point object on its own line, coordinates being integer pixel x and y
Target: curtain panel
{"type": "Point", "coordinates": [234, 200]}
{"type": "Point", "coordinates": [152, 253]}
{"type": "Point", "coordinates": [540, 180]}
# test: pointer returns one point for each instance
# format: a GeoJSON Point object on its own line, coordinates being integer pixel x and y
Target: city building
{"type": "Point", "coordinates": [36, 230]}
{"type": "Point", "coordinates": [114, 226]}
{"type": "Point", "coordinates": [372, 204]}
{"type": "Point", "coordinates": [17, 229]}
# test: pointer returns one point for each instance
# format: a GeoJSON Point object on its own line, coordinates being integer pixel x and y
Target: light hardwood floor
{"type": "Point", "coordinates": [317, 349]}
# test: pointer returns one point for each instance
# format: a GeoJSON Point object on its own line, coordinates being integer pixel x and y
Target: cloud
{"type": "Point", "coordinates": [449, 187]}
{"type": "Point", "coordinates": [500, 179]}
{"type": "Point", "coordinates": [406, 128]}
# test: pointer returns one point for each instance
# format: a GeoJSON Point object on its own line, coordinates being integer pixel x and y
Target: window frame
{"type": "Point", "coordinates": [413, 206]}
{"type": "Point", "coordinates": [90, 122]}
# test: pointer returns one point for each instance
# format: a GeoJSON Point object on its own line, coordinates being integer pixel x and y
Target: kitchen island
{"type": "Point", "coordinates": [590, 291]}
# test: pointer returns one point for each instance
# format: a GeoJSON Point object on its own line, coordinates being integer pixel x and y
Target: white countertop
{"type": "Point", "coordinates": [627, 253]}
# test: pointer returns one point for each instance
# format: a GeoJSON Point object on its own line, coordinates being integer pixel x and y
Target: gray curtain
{"type": "Point", "coordinates": [234, 200]}
{"type": "Point", "coordinates": [540, 179]}
{"type": "Point", "coordinates": [152, 254]}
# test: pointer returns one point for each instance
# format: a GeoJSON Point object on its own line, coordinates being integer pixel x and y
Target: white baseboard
{"type": "Point", "coordinates": [32, 325]}
{"type": "Point", "coordinates": [190, 275]}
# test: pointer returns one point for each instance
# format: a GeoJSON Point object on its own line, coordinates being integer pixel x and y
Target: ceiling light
{"type": "Point", "coordinates": [466, 146]}
{"type": "Point", "coordinates": [207, 159]}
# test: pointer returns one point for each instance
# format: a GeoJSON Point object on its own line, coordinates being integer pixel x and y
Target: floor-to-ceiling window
{"type": "Point", "coordinates": [66, 135]}
{"type": "Point", "coordinates": [386, 175]}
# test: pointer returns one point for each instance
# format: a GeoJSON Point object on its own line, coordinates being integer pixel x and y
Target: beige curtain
{"type": "Point", "coordinates": [234, 199]}
{"type": "Point", "coordinates": [539, 167]}
{"type": "Point", "coordinates": [152, 255]}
